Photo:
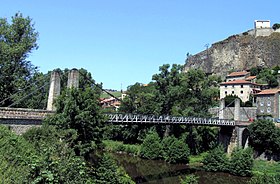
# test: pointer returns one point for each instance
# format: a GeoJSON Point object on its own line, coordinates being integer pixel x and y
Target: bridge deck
{"type": "Point", "coordinates": [116, 118]}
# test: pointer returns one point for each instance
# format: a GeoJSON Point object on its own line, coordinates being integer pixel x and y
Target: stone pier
{"type": "Point", "coordinates": [73, 79]}
{"type": "Point", "coordinates": [54, 90]}
{"type": "Point", "coordinates": [237, 136]}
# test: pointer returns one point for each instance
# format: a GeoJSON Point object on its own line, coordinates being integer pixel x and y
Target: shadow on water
{"type": "Point", "coordinates": [160, 172]}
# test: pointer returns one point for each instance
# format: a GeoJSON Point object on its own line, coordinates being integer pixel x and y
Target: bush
{"type": "Point", "coordinates": [190, 179]}
{"type": "Point", "coordinates": [264, 136]}
{"type": "Point", "coordinates": [175, 151]}
{"type": "Point", "coordinates": [216, 160]}
{"type": "Point", "coordinates": [16, 154]}
{"type": "Point", "coordinates": [151, 148]}
{"type": "Point", "coordinates": [241, 162]}
{"type": "Point", "coordinates": [265, 179]}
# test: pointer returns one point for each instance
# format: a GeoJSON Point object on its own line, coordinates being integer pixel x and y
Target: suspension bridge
{"type": "Point", "coordinates": [21, 119]}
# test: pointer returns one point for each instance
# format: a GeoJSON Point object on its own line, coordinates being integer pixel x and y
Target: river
{"type": "Point", "coordinates": [160, 172]}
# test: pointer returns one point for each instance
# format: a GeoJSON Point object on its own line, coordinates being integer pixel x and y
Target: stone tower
{"type": "Point", "coordinates": [54, 90]}
{"type": "Point", "coordinates": [73, 79]}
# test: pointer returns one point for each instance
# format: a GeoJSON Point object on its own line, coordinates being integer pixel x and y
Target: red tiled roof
{"type": "Point", "coordinates": [251, 77]}
{"type": "Point", "coordinates": [268, 92]}
{"type": "Point", "coordinates": [236, 82]}
{"type": "Point", "coordinates": [234, 74]}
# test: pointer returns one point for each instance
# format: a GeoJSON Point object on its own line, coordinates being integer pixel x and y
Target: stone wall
{"type": "Point", "coordinates": [20, 113]}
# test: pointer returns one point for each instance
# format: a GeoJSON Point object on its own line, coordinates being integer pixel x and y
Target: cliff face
{"type": "Point", "coordinates": [238, 52]}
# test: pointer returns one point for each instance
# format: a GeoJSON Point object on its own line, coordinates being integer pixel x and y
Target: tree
{"type": "Point", "coordinates": [241, 162]}
{"type": "Point", "coordinates": [276, 26]}
{"type": "Point", "coordinates": [175, 150]}
{"type": "Point", "coordinates": [17, 41]}
{"type": "Point", "coordinates": [216, 160]}
{"type": "Point", "coordinates": [80, 110]}
{"type": "Point", "coordinates": [264, 136]}
{"type": "Point", "coordinates": [151, 148]}
{"type": "Point", "coordinates": [108, 172]}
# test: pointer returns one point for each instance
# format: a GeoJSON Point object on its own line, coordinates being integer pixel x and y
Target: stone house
{"type": "Point", "coordinates": [240, 84]}
{"type": "Point", "coordinates": [267, 102]}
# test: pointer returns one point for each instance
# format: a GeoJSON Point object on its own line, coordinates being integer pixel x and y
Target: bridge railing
{"type": "Point", "coordinates": [136, 118]}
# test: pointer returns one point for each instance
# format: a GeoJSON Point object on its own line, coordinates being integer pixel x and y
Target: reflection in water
{"type": "Point", "coordinates": [160, 172]}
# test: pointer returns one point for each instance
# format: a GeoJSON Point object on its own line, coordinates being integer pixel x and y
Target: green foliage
{"type": "Point", "coordinates": [175, 150]}
{"type": "Point", "coordinates": [216, 160]}
{"type": "Point", "coordinates": [276, 26]}
{"type": "Point", "coordinates": [201, 138]}
{"type": "Point", "coordinates": [190, 179]}
{"type": "Point", "coordinates": [108, 172]}
{"type": "Point", "coordinates": [116, 146]}
{"type": "Point", "coordinates": [151, 148]}
{"type": "Point", "coordinates": [268, 76]}
{"type": "Point", "coordinates": [265, 179]}
{"type": "Point", "coordinates": [17, 41]}
{"type": "Point", "coordinates": [172, 92]}
{"type": "Point", "coordinates": [80, 110]}
{"type": "Point", "coordinates": [57, 162]}
{"type": "Point", "coordinates": [268, 167]}
{"type": "Point", "coordinates": [241, 162]}
{"type": "Point", "coordinates": [264, 136]}
{"type": "Point", "coordinates": [16, 155]}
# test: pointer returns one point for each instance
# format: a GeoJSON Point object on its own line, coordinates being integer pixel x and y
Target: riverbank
{"type": "Point", "coordinates": [195, 161]}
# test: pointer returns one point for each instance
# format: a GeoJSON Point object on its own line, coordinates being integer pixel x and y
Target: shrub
{"type": "Point", "coordinates": [265, 179]}
{"type": "Point", "coordinates": [241, 162]}
{"type": "Point", "coordinates": [190, 179]}
{"type": "Point", "coordinates": [216, 160]}
{"type": "Point", "coordinates": [16, 154]}
{"type": "Point", "coordinates": [175, 151]}
{"type": "Point", "coordinates": [151, 148]}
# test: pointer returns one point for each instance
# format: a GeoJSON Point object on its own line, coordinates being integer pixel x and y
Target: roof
{"type": "Point", "coordinates": [268, 92]}
{"type": "Point", "coordinates": [251, 77]}
{"type": "Point", "coordinates": [235, 74]}
{"type": "Point", "coordinates": [236, 82]}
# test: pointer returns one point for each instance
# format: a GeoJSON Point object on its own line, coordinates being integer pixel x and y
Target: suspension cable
{"type": "Point", "coordinates": [28, 95]}
{"type": "Point", "coordinates": [11, 96]}
{"type": "Point", "coordinates": [97, 85]}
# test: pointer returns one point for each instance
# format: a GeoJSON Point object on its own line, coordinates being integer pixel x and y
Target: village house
{"type": "Point", "coordinates": [267, 102]}
{"type": "Point", "coordinates": [240, 84]}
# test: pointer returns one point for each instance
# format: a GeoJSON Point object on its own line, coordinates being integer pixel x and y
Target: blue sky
{"type": "Point", "coordinates": [125, 41]}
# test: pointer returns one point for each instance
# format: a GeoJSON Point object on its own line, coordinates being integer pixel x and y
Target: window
{"type": "Point", "coordinates": [225, 92]}
{"type": "Point", "coordinates": [268, 110]}
{"type": "Point", "coordinates": [241, 92]}
{"type": "Point", "coordinates": [225, 86]}
{"type": "Point", "coordinates": [241, 86]}
{"type": "Point", "coordinates": [261, 103]}
{"type": "Point", "coordinates": [269, 103]}
{"type": "Point", "coordinates": [262, 110]}
{"type": "Point", "coordinates": [233, 86]}
{"type": "Point", "coordinates": [232, 92]}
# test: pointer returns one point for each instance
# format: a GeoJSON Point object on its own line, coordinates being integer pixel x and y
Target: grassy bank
{"type": "Point", "coordinates": [117, 146]}
{"type": "Point", "coordinates": [266, 167]}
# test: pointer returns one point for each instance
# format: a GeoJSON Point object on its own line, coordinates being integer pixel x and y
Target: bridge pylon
{"type": "Point", "coordinates": [54, 90]}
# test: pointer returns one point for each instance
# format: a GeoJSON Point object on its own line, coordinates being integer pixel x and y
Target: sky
{"type": "Point", "coordinates": [121, 42]}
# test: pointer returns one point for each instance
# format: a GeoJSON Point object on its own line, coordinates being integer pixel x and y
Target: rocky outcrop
{"type": "Point", "coordinates": [238, 52]}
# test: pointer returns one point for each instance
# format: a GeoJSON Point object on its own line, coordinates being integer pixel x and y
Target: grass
{"type": "Point", "coordinates": [117, 146]}
{"type": "Point", "coordinates": [196, 160]}
{"type": "Point", "coordinates": [115, 93]}
{"type": "Point", "coordinates": [268, 167]}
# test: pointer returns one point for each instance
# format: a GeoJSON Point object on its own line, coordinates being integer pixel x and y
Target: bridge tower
{"type": "Point", "coordinates": [54, 90]}
{"type": "Point", "coordinates": [73, 78]}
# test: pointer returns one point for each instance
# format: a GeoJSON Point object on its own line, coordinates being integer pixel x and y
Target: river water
{"type": "Point", "coordinates": [160, 172]}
